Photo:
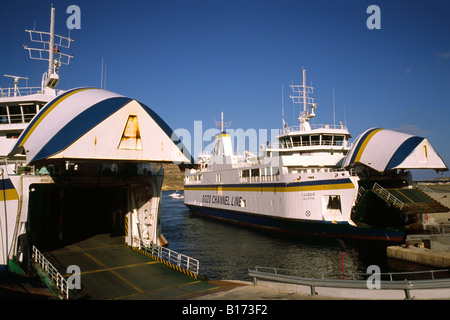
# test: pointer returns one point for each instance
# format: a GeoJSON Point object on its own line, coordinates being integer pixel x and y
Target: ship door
{"type": "Point", "coordinates": [332, 207]}
{"type": "Point", "coordinates": [142, 218]}
{"type": "Point", "coordinates": [60, 214]}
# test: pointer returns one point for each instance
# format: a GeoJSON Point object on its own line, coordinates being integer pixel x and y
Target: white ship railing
{"type": "Point", "coordinates": [387, 195]}
{"type": "Point", "coordinates": [313, 127]}
{"type": "Point", "coordinates": [17, 118]}
{"type": "Point", "coordinates": [177, 259]}
{"type": "Point", "coordinates": [50, 271]}
{"type": "Point", "coordinates": [22, 91]}
{"type": "Point", "coordinates": [310, 144]}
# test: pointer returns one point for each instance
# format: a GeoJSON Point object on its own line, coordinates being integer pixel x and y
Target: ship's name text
{"type": "Point", "coordinates": [308, 195]}
{"type": "Point", "coordinates": [234, 201]}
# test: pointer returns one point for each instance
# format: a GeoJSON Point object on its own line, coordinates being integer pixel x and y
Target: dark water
{"type": "Point", "coordinates": [226, 251]}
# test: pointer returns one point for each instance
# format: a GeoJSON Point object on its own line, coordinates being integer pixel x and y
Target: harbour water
{"type": "Point", "coordinates": [227, 251]}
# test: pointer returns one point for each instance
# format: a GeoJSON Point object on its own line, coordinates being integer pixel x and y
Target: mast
{"type": "Point", "coordinates": [222, 124]}
{"type": "Point", "coordinates": [304, 91]}
{"type": "Point", "coordinates": [52, 41]}
{"type": "Point", "coordinates": [302, 97]}
{"type": "Point", "coordinates": [51, 44]}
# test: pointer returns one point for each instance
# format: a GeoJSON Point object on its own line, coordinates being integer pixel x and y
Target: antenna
{"type": "Point", "coordinates": [282, 106]}
{"type": "Point", "coordinates": [302, 91]}
{"type": "Point", "coordinates": [345, 117]}
{"type": "Point", "coordinates": [103, 76]}
{"type": "Point", "coordinates": [222, 124]}
{"type": "Point", "coordinates": [334, 111]}
{"type": "Point", "coordinates": [51, 44]}
{"type": "Point", "coordinates": [16, 82]}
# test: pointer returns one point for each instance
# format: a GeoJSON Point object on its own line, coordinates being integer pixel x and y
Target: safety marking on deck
{"type": "Point", "coordinates": [404, 195]}
{"type": "Point", "coordinates": [80, 249]}
{"type": "Point", "coordinates": [162, 289]}
{"type": "Point", "coordinates": [113, 268]}
{"type": "Point", "coordinates": [115, 273]}
{"type": "Point", "coordinates": [169, 264]}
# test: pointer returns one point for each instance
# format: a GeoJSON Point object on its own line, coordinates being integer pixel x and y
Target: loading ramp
{"type": "Point", "coordinates": [111, 270]}
{"type": "Point", "coordinates": [416, 201]}
{"type": "Point", "coordinates": [395, 207]}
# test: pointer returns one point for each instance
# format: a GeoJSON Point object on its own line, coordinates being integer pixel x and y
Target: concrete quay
{"type": "Point", "coordinates": [270, 290]}
{"type": "Point", "coordinates": [422, 255]}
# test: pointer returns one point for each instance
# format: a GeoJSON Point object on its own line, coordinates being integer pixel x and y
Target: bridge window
{"type": "Point", "coordinates": [296, 141]}
{"type": "Point", "coordinates": [327, 140]}
{"type": "Point", "coordinates": [29, 111]}
{"type": "Point", "coordinates": [339, 140]}
{"type": "Point", "coordinates": [315, 140]}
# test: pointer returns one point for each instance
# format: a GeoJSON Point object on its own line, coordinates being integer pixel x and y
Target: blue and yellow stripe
{"type": "Point", "coordinates": [7, 190]}
{"type": "Point", "coordinates": [277, 186]}
{"type": "Point", "coordinates": [403, 151]}
{"type": "Point", "coordinates": [362, 144]}
{"type": "Point", "coordinates": [80, 125]}
{"type": "Point", "coordinates": [43, 113]}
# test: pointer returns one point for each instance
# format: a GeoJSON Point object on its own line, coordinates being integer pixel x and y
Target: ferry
{"type": "Point", "coordinates": [77, 162]}
{"type": "Point", "coordinates": [314, 181]}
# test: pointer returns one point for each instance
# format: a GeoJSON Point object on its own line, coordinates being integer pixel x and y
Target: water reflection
{"type": "Point", "coordinates": [226, 251]}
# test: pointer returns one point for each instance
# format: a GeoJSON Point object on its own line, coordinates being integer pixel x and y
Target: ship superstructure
{"type": "Point", "coordinates": [19, 105]}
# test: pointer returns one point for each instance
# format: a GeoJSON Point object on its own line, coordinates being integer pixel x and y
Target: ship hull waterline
{"type": "Point", "coordinates": [328, 229]}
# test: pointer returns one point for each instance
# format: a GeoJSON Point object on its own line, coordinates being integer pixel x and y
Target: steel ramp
{"type": "Point", "coordinates": [110, 270]}
{"type": "Point", "coordinates": [416, 202]}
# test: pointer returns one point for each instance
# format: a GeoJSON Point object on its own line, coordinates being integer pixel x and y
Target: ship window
{"type": "Point", "coordinates": [12, 135]}
{"type": "Point", "coordinates": [334, 202]}
{"type": "Point", "coordinates": [29, 111]}
{"type": "Point", "coordinates": [315, 140]}
{"type": "Point", "coordinates": [3, 114]}
{"type": "Point", "coordinates": [296, 141]}
{"type": "Point", "coordinates": [327, 140]}
{"type": "Point", "coordinates": [338, 140]}
{"type": "Point", "coordinates": [255, 175]}
{"type": "Point", "coordinates": [15, 114]}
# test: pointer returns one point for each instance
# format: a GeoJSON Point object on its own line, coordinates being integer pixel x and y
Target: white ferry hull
{"type": "Point", "coordinates": [329, 229]}
{"type": "Point", "coordinates": [296, 208]}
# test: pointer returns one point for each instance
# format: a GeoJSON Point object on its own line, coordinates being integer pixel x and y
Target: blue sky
{"type": "Point", "coordinates": [191, 59]}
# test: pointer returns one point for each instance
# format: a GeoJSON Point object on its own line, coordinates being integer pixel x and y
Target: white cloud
{"type": "Point", "coordinates": [411, 129]}
{"type": "Point", "coordinates": [443, 56]}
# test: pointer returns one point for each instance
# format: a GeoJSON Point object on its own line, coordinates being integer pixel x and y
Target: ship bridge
{"type": "Point", "coordinates": [93, 164]}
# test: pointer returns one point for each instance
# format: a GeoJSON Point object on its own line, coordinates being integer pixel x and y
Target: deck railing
{"type": "Point", "coordinates": [177, 259]}
{"type": "Point", "coordinates": [387, 195]}
{"type": "Point", "coordinates": [22, 91]}
{"type": "Point", "coordinates": [58, 281]}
